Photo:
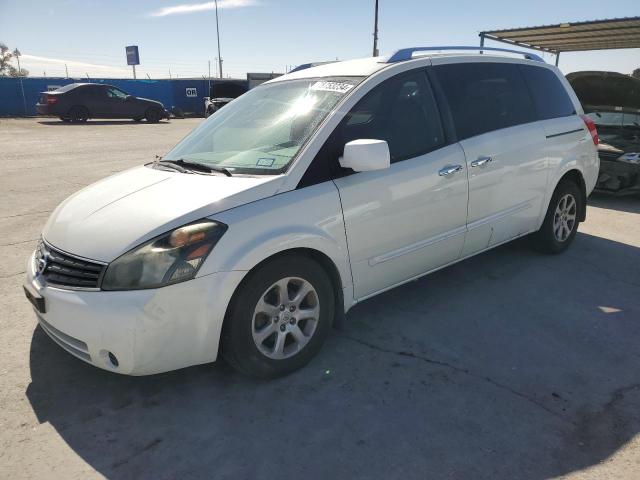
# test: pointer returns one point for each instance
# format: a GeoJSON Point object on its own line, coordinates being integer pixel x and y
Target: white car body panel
{"type": "Point", "coordinates": [152, 202]}
{"type": "Point", "coordinates": [257, 231]}
{"type": "Point", "coordinates": [378, 228]}
{"type": "Point", "coordinates": [404, 220]}
{"type": "Point", "coordinates": [505, 194]}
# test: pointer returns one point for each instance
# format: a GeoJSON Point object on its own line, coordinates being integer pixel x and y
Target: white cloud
{"type": "Point", "coordinates": [56, 67]}
{"type": "Point", "coordinates": [201, 7]}
{"type": "Point", "coordinates": [35, 59]}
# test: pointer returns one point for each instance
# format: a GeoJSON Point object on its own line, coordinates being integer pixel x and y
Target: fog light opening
{"type": "Point", "coordinates": [113, 359]}
{"type": "Point", "coordinates": [109, 359]}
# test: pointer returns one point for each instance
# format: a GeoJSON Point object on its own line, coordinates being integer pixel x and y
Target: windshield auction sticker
{"type": "Point", "coordinates": [332, 86]}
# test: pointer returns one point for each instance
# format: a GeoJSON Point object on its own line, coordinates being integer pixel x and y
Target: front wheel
{"type": "Point", "coordinates": [561, 221]}
{"type": "Point", "coordinates": [279, 317]}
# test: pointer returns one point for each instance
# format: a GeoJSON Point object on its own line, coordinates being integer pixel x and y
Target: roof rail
{"type": "Point", "coordinates": [407, 53]}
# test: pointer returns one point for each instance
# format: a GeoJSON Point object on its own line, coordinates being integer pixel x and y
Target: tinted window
{"type": "Point", "coordinates": [549, 95]}
{"type": "Point", "coordinates": [401, 111]}
{"type": "Point", "coordinates": [607, 119]}
{"type": "Point", "coordinates": [92, 91]}
{"type": "Point", "coordinates": [114, 92]}
{"type": "Point", "coordinates": [485, 96]}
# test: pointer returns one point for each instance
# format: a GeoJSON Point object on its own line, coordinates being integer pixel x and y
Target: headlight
{"type": "Point", "coordinates": [173, 257]}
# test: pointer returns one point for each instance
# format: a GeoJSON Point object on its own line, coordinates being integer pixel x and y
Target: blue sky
{"type": "Point", "coordinates": [269, 35]}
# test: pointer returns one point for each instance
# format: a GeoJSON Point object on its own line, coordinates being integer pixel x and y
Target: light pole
{"type": "Point", "coordinates": [375, 33]}
{"type": "Point", "coordinates": [218, 35]}
{"type": "Point", "coordinates": [16, 53]}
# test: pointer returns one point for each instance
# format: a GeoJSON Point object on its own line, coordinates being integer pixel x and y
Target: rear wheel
{"type": "Point", "coordinates": [561, 221]}
{"type": "Point", "coordinates": [153, 115]}
{"type": "Point", "coordinates": [279, 317]}
{"type": "Point", "coordinates": [78, 114]}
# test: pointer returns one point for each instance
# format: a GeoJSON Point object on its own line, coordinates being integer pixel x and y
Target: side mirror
{"type": "Point", "coordinates": [365, 155]}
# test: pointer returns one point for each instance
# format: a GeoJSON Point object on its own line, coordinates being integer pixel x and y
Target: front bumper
{"type": "Point", "coordinates": [146, 331]}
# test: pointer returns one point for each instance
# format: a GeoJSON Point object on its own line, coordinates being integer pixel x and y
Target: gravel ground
{"type": "Point", "coordinates": [508, 365]}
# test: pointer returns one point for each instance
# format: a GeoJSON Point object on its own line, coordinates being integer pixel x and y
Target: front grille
{"type": "Point", "coordinates": [63, 270]}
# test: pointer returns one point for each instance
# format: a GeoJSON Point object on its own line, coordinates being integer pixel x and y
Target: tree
{"type": "Point", "coordinates": [636, 73]}
{"type": "Point", "coordinates": [6, 68]}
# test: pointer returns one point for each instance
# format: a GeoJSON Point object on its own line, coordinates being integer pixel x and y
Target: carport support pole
{"type": "Point", "coordinates": [557, 58]}
{"type": "Point", "coordinates": [481, 42]}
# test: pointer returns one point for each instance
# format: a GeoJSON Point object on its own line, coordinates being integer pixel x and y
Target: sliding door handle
{"type": "Point", "coordinates": [481, 162]}
{"type": "Point", "coordinates": [449, 169]}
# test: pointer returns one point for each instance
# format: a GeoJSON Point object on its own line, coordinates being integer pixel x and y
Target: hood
{"type": "Point", "coordinates": [114, 215]}
{"type": "Point", "coordinates": [606, 89]}
{"type": "Point", "coordinates": [148, 100]}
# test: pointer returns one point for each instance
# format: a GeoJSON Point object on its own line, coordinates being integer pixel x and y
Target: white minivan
{"type": "Point", "coordinates": [306, 195]}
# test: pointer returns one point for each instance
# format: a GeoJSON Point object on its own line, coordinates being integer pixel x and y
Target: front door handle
{"type": "Point", "coordinates": [449, 169]}
{"type": "Point", "coordinates": [482, 161]}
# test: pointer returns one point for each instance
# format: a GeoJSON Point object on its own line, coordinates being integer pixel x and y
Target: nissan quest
{"type": "Point", "coordinates": [306, 195]}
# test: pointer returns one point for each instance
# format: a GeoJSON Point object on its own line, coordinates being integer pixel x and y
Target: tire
{"type": "Point", "coordinates": [561, 221]}
{"type": "Point", "coordinates": [263, 340]}
{"type": "Point", "coordinates": [153, 115]}
{"type": "Point", "coordinates": [78, 114]}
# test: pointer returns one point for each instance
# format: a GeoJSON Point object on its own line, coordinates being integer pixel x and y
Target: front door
{"type": "Point", "coordinates": [406, 220]}
{"type": "Point", "coordinates": [116, 104]}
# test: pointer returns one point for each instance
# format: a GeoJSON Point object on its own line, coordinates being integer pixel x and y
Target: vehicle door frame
{"type": "Point", "coordinates": [483, 227]}
{"type": "Point", "coordinates": [316, 173]}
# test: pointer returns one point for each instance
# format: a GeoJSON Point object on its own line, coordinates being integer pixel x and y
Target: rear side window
{"type": "Point", "coordinates": [549, 95]}
{"type": "Point", "coordinates": [93, 91]}
{"type": "Point", "coordinates": [402, 111]}
{"type": "Point", "coordinates": [485, 96]}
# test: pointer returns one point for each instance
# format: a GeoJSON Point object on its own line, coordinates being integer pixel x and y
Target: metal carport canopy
{"type": "Point", "coordinates": [572, 37]}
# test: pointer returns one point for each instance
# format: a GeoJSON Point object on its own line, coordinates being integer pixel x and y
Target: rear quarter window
{"type": "Point", "coordinates": [485, 96]}
{"type": "Point", "coordinates": [549, 95]}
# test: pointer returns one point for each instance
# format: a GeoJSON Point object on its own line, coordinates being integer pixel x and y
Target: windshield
{"type": "Point", "coordinates": [261, 131]}
{"type": "Point", "coordinates": [615, 119]}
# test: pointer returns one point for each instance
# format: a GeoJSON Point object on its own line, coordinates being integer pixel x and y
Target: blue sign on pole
{"type": "Point", "coordinates": [133, 57]}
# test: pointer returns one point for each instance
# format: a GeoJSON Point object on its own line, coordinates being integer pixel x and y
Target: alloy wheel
{"type": "Point", "coordinates": [285, 318]}
{"type": "Point", "coordinates": [564, 218]}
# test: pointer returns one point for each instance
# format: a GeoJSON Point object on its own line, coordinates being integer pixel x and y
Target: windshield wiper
{"type": "Point", "coordinates": [171, 166]}
{"type": "Point", "coordinates": [185, 164]}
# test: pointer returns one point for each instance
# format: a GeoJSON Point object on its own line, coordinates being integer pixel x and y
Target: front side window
{"type": "Point", "coordinates": [262, 131]}
{"type": "Point", "coordinates": [402, 111]}
{"type": "Point", "coordinates": [485, 96]}
{"type": "Point", "coordinates": [113, 92]}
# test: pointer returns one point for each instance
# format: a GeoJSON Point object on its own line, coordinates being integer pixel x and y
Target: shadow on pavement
{"type": "Point", "coordinates": [508, 365]}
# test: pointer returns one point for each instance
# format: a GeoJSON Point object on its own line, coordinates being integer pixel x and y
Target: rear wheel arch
{"type": "Point", "coordinates": [575, 176]}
